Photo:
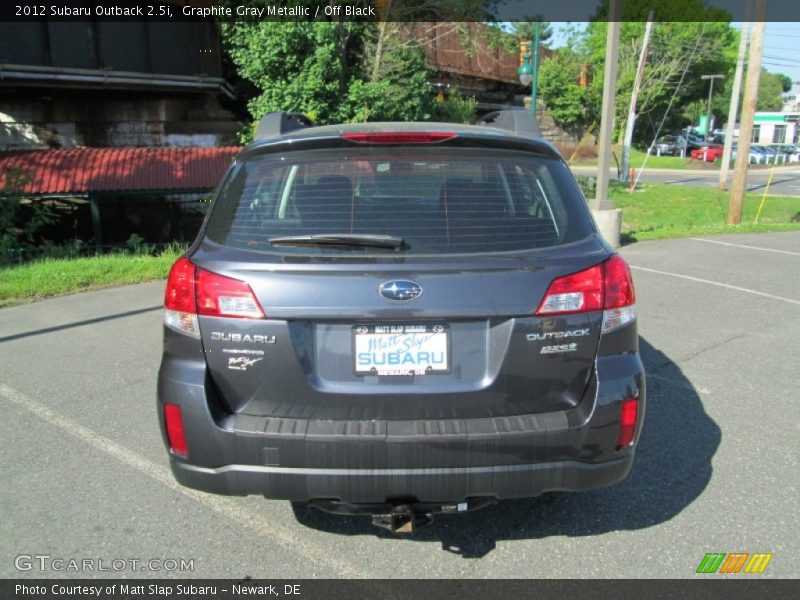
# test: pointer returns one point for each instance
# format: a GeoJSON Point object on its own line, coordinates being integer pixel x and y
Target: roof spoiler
{"type": "Point", "coordinates": [518, 121]}
{"type": "Point", "coordinates": [276, 124]}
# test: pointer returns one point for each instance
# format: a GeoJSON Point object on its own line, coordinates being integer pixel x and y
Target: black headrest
{"type": "Point", "coordinates": [336, 183]}
{"type": "Point", "coordinates": [475, 198]}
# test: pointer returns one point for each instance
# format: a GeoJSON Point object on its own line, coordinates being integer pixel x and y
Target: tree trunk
{"type": "Point", "coordinates": [344, 40]}
{"type": "Point", "coordinates": [378, 52]}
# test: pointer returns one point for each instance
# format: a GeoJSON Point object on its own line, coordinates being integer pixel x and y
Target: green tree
{"type": "Point", "coordinates": [526, 31]}
{"type": "Point", "coordinates": [770, 91]}
{"type": "Point", "coordinates": [559, 86]}
{"type": "Point", "coordinates": [456, 109]}
{"type": "Point", "coordinates": [332, 72]}
{"type": "Point", "coordinates": [296, 66]}
{"type": "Point", "coordinates": [786, 82]}
{"type": "Point", "coordinates": [397, 89]}
{"type": "Point", "coordinates": [21, 223]}
{"type": "Point", "coordinates": [678, 54]}
{"type": "Point", "coordinates": [771, 87]}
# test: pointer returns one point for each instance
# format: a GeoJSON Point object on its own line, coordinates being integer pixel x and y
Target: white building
{"type": "Point", "coordinates": [775, 128]}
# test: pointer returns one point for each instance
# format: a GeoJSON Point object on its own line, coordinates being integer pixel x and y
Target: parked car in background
{"type": "Point", "coordinates": [677, 144]}
{"type": "Point", "coordinates": [762, 155]}
{"type": "Point", "coordinates": [784, 152]}
{"type": "Point", "coordinates": [668, 145]}
{"type": "Point", "coordinates": [692, 141]}
{"type": "Point", "coordinates": [708, 153]}
{"type": "Point", "coordinates": [756, 158]}
{"type": "Point", "coordinates": [773, 153]}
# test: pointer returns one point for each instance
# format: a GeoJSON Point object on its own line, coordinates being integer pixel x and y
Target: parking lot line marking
{"type": "Point", "coordinates": [718, 284]}
{"type": "Point", "coordinates": [745, 246]}
{"type": "Point", "coordinates": [220, 505]}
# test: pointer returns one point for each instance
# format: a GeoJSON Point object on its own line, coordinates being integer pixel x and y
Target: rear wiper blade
{"type": "Point", "coordinates": [340, 239]}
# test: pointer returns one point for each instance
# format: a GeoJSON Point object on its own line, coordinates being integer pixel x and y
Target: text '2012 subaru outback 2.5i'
{"type": "Point", "coordinates": [400, 319]}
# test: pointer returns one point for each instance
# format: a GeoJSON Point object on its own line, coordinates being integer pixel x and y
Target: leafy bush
{"type": "Point", "coordinates": [562, 94]}
{"type": "Point", "coordinates": [587, 184]}
{"type": "Point", "coordinates": [137, 246]}
{"type": "Point", "coordinates": [21, 220]}
{"type": "Point", "coordinates": [456, 109]}
{"type": "Point", "coordinates": [332, 72]}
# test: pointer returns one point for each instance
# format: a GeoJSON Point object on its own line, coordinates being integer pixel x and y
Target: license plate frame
{"type": "Point", "coordinates": [438, 342]}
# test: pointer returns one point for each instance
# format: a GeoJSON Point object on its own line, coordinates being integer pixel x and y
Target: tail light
{"type": "Point", "coordinates": [398, 137]}
{"type": "Point", "coordinates": [180, 309]}
{"type": "Point", "coordinates": [620, 300]}
{"type": "Point", "coordinates": [579, 292]}
{"type": "Point", "coordinates": [627, 423]}
{"type": "Point", "coordinates": [173, 423]}
{"type": "Point", "coordinates": [193, 291]}
{"type": "Point", "coordinates": [607, 286]}
{"type": "Point", "coordinates": [219, 296]}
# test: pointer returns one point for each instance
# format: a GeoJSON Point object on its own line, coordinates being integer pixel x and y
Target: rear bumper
{"type": "Point", "coordinates": [424, 485]}
{"type": "Point", "coordinates": [428, 461]}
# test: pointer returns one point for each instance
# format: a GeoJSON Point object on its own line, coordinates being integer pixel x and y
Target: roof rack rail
{"type": "Point", "coordinates": [275, 124]}
{"type": "Point", "coordinates": [516, 120]}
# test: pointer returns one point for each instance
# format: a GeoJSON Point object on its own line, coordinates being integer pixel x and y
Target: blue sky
{"type": "Point", "coordinates": [781, 48]}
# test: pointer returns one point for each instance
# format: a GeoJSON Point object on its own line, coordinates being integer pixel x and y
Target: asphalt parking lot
{"type": "Point", "coordinates": [783, 180]}
{"type": "Point", "coordinates": [84, 473]}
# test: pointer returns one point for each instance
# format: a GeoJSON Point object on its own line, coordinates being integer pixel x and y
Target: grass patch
{"type": "Point", "coordinates": [665, 211]}
{"type": "Point", "coordinates": [667, 162]}
{"type": "Point", "coordinates": [654, 211]}
{"type": "Point", "coordinates": [653, 162]}
{"type": "Point", "coordinates": [59, 276]}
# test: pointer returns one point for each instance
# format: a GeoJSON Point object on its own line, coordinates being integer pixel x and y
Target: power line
{"type": "Point", "coordinates": [669, 106]}
{"type": "Point", "coordinates": [779, 48]}
{"type": "Point", "coordinates": [782, 66]}
{"type": "Point", "coordinates": [780, 58]}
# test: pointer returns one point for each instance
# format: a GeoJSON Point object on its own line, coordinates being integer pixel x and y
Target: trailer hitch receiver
{"type": "Point", "coordinates": [402, 519]}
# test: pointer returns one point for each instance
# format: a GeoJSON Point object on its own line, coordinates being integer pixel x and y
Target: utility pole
{"type": "Point", "coordinates": [529, 73]}
{"type": "Point", "coordinates": [748, 115]}
{"type": "Point", "coordinates": [535, 83]}
{"type": "Point", "coordinates": [710, 93]}
{"type": "Point", "coordinates": [601, 201]}
{"type": "Point", "coordinates": [637, 84]}
{"type": "Point", "coordinates": [608, 218]}
{"type": "Point", "coordinates": [733, 110]}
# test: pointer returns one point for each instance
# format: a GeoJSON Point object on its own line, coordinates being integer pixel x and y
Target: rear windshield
{"type": "Point", "coordinates": [438, 200]}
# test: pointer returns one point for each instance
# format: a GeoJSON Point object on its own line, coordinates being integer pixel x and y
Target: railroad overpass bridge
{"type": "Point", "coordinates": [464, 58]}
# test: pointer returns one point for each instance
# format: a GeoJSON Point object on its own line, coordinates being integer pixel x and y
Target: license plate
{"type": "Point", "coordinates": [401, 349]}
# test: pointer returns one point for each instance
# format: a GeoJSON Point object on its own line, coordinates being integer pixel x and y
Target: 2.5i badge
{"type": "Point", "coordinates": [560, 348]}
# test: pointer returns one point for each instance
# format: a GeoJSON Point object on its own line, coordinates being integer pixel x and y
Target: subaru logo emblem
{"type": "Point", "coordinates": [400, 290]}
